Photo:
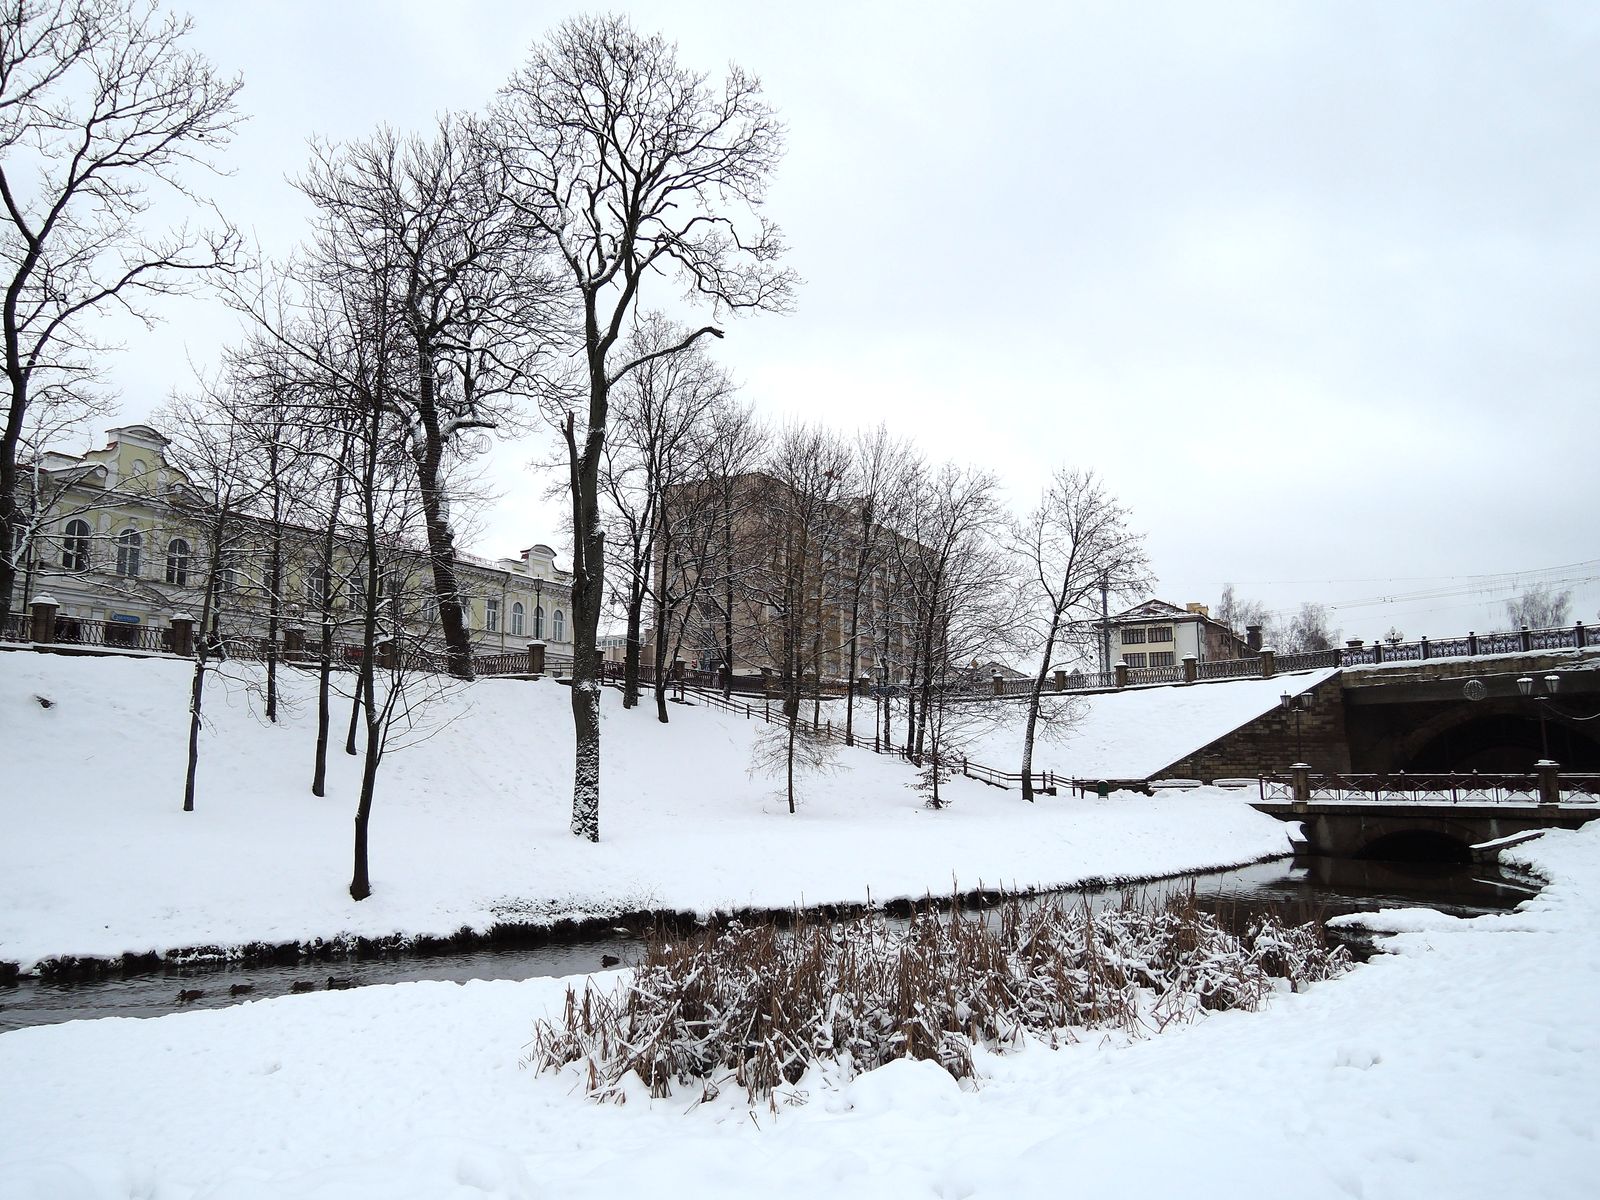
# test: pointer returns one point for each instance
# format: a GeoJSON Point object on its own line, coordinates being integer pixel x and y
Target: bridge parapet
{"type": "Point", "coordinates": [1471, 787]}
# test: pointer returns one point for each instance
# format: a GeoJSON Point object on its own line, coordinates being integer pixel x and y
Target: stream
{"type": "Point", "coordinates": [1299, 889]}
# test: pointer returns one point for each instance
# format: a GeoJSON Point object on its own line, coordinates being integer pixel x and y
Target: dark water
{"type": "Point", "coordinates": [1300, 889]}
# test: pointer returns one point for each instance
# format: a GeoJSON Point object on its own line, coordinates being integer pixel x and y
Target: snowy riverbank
{"type": "Point", "coordinates": [470, 823]}
{"type": "Point", "coordinates": [1460, 1066]}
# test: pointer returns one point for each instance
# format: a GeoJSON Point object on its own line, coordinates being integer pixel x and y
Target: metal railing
{"type": "Point", "coordinates": [1466, 787]}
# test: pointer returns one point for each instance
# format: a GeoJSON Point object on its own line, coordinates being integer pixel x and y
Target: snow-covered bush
{"type": "Point", "coordinates": [762, 1003]}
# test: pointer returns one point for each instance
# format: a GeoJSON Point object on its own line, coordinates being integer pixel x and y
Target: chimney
{"type": "Point", "coordinates": [1252, 636]}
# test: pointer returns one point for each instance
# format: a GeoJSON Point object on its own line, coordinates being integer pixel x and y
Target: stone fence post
{"type": "Point", "coordinates": [1191, 668]}
{"type": "Point", "coordinates": [294, 643]}
{"type": "Point", "coordinates": [1121, 669]}
{"type": "Point", "coordinates": [1269, 662]}
{"type": "Point", "coordinates": [535, 658]}
{"type": "Point", "coordinates": [182, 625]}
{"type": "Point", "coordinates": [1549, 781]}
{"type": "Point", "coordinates": [43, 610]}
{"type": "Point", "coordinates": [386, 654]}
{"type": "Point", "coordinates": [1061, 681]}
{"type": "Point", "coordinates": [999, 684]}
{"type": "Point", "coordinates": [1300, 781]}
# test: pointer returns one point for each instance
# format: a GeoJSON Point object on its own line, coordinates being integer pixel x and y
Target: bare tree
{"type": "Point", "coordinates": [1239, 614]}
{"type": "Point", "coordinates": [1539, 607]}
{"type": "Point", "coordinates": [959, 604]}
{"type": "Point", "coordinates": [659, 413]}
{"type": "Point", "coordinates": [634, 166]}
{"type": "Point", "coordinates": [734, 446]}
{"type": "Point", "coordinates": [879, 479]}
{"type": "Point", "coordinates": [100, 101]}
{"type": "Point", "coordinates": [1309, 630]}
{"type": "Point", "coordinates": [1075, 541]}
{"type": "Point", "coordinates": [468, 289]}
{"type": "Point", "coordinates": [214, 455]}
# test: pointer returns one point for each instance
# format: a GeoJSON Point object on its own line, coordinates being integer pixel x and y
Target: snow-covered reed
{"type": "Point", "coordinates": [760, 1004]}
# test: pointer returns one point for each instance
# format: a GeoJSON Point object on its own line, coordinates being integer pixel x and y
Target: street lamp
{"type": "Point", "coordinates": [1296, 705]}
{"type": "Point", "coordinates": [1551, 683]}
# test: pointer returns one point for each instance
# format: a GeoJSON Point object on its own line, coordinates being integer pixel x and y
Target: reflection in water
{"type": "Point", "coordinates": [1299, 889]}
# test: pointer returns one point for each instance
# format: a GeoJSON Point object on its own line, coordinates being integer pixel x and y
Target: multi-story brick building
{"type": "Point", "coordinates": [785, 553]}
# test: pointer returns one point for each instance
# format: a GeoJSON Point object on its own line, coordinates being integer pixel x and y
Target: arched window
{"type": "Point", "coordinates": [128, 545]}
{"type": "Point", "coordinates": [538, 623]}
{"type": "Point", "coordinates": [178, 562]}
{"type": "Point", "coordinates": [227, 569]}
{"type": "Point", "coordinates": [516, 619]}
{"type": "Point", "coordinates": [558, 626]}
{"type": "Point", "coordinates": [75, 546]}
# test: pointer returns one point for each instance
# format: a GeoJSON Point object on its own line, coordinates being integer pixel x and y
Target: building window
{"type": "Point", "coordinates": [1133, 637]}
{"type": "Point", "coordinates": [559, 626]}
{"type": "Point", "coordinates": [491, 614]}
{"type": "Point", "coordinates": [538, 623]}
{"type": "Point", "coordinates": [1162, 658]}
{"type": "Point", "coordinates": [516, 619]}
{"type": "Point", "coordinates": [1134, 661]}
{"type": "Point", "coordinates": [75, 546]}
{"type": "Point", "coordinates": [316, 587]}
{"type": "Point", "coordinates": [178, 562]}
{"type": "Point", "coordinates": [128, 545]}
{"type": "Point", "coordinates": [1161, 633]}
{"type": "Point", "coordinates": [227, 570]}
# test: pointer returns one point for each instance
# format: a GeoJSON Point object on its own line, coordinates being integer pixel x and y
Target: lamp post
{"type": "Point", "coordinates": [1525, 685]}
{"type": "Point", "coordinates": [1296, 705]}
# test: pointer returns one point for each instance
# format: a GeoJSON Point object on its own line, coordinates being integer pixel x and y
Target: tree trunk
{"type": "Point", "coordinates": [319, 772]}
{"type": "Point", "coordinates": [634, 649]}
{"type": "Point", "coordinates": [588, 594]}
{"type": "Point", "coordinates": [1034, 694]}
{"type": "Point", "coordinates": [790, 776]}
{"type": "Point", "coordinates": [196, 695]}
{"type": "Point", "coordinates": [274, 614]}
{"type": "Point", "coordinates": [727, 599]}
{"type": "Point", "coordinates": [360, 880]}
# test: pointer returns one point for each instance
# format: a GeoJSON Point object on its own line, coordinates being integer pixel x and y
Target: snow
{"type": "Point", "coordinates": [470, 824]}
{"type": "Point", "coordinates": [1460, 1064]}
{"type": "Point", "coordinates": [1138, 732]}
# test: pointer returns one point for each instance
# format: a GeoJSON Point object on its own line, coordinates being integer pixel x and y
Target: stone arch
{"type": "Point", "coordinates": [1493, 735]}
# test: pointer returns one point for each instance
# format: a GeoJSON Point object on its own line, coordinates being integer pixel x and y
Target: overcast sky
{"type": "Point", "coordinates": [1315, 287]}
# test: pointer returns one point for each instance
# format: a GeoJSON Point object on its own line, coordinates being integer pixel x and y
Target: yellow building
{"type": "Point", "coordinates": [118, 550]}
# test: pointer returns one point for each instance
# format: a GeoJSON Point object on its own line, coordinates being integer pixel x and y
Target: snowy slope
{"type": "Point", "coordinates": [1463, 1066]}
{"type": "Point", "coordinates": [470, 822]}
{"type": "Point", "coordinates": [1134, 734]}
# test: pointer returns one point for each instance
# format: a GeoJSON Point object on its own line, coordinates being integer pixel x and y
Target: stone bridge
{"type": "Point", "coordinates": [1439, 831]}
{"type": "Point", "coordinates": [1440, 715]}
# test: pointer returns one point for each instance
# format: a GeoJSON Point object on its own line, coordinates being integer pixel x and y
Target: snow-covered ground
{"type": "Point", "coordinates": [1463, 1065]}
{"type": "Point", "coordinates": [1132, 734]}
{"type": "Point", "coordinates": [470, 825]}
